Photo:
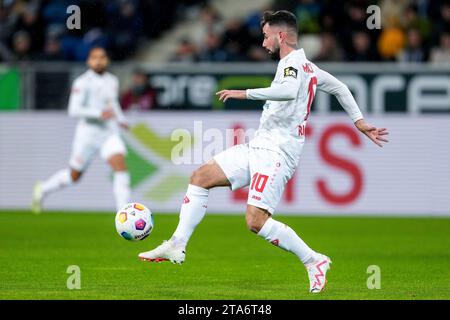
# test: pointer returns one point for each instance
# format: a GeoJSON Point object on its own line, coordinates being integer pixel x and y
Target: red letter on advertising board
{"type": "Point", "coordinates": [340, 163]}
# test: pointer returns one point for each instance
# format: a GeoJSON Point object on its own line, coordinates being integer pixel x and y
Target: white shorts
{"type": "Point", "coordinates": [265, 171]}
{"type": "Point", "coordinates": [87, 143]}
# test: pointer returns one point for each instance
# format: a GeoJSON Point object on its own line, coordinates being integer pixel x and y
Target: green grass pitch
{"type": "Point", "coordinates": [224, 260]}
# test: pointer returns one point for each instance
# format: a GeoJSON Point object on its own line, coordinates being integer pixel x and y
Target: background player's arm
{"type": "Point", "coordinates": [329, 84]}
{"type": "Point", "coordinates": [79, 103]}
{"type": "Point", "coordinates": [115, 104]}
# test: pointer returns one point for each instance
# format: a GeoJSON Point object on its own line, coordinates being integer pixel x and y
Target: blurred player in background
{"type": "Point", "coordinates": [94, 100]}
{"type": "Point", "coordinates": [269, 160]}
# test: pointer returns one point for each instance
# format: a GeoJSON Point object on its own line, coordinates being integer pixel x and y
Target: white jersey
{"type": "Point", "coordinates": [91, 94]}
{"type": "Point", "coordinates": [288, 102]}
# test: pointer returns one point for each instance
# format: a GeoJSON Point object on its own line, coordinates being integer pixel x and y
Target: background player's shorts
{"type": "Point", "coordinates": [265, 171]}
{"type": "Point", "coordinates": [113, 145]}
{"type": "Point", "coordinates": [86, 145]}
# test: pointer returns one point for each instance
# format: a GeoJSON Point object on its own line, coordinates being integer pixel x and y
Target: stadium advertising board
{"type": "Point", "coordinates": [340, 172]}
{"type": "Point", "coordinates": [377, 90]}
{"type": "Point", "coordinates": [380, 88]}
{"type": "Point", "coordinates": [10, 89]}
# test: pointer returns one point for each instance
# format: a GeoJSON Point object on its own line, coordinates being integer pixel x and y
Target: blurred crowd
{"type": "Point", "coordinates": [330, 30]}
{"type": "Point", "coordinates": [36, 29]}
{"type": "Point", "coordinates": [140, 96]}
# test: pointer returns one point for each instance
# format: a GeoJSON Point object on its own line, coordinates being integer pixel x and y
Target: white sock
{"type": "Point", "coordinates": [58, 181]}
{"type": "Point", "coordinates": [192, 212]}
{"type": "Point", "coordinates": [121, 186]}
{"type": "Point", "coordinates": [284, 237]}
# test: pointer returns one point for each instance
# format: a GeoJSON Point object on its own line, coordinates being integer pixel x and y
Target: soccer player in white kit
{"type": "Point", "coordinates": [94, 99]}
{"type": "Point", "coordinates": [271, 157]}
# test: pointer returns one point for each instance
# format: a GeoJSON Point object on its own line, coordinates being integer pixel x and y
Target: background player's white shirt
{"type": "Point", "coordinates": [288, 102]}
{"type": "Point", "coordinates": [91, 94]}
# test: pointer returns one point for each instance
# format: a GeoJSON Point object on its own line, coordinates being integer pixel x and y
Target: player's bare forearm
{"type": "Point", "coordinates": [377, 135]}
{"type": "Point", "coordinates": [224, 95]}
{"type": "Point", "coordinates": [107, 114]}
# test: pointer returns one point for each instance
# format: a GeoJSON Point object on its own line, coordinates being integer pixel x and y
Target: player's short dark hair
{"type": "Point", "coordinates": [280, 18]}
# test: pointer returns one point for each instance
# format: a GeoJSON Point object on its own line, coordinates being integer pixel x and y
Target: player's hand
{"type": "Point", "coordinates": [124, 125]}
{"type": "Point", "coordinates": [107, 114]}
{"type": "Point", "coordinates": [224, 95]}
{"type": "Point", "coordinates": [377, 135]}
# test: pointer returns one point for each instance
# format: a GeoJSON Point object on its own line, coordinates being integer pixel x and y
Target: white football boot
{"type": "Point", "coordinates": [167, 251]}
{"type": "Point", "coordinates": [36, 205]}
{"type": "Point", "coordinates": [317, 271]}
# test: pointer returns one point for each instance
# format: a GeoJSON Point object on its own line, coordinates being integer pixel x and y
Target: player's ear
{"type": "Point", "coordinates": [280, 37]}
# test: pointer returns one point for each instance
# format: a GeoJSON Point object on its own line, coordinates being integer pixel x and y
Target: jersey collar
{"type": "Point", "coordinates": [299, 51]}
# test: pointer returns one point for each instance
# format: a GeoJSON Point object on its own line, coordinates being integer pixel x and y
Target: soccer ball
{"type": "Point", "coordinates": [134, 222]}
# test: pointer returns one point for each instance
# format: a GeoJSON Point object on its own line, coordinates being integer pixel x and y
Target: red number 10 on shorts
{"type": "Point", "coordinates": [259, 182]}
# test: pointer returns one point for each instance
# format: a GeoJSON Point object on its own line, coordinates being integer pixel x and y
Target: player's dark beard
{"type": "Point", "coordinates": [275, 55]}
{"type": "Point", "coordinates": [99, 70]}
